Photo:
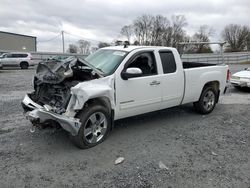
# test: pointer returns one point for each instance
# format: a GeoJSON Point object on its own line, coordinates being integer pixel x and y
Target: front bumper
{"type": "Point", "coordinates": [241, 82]}
{"type": "Point", "coordinates": [38, 114]}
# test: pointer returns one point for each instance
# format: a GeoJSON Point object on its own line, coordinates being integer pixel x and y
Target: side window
{"type": "Point", "coordinates": [9, 56]}
{"type": "Point", "coordinates": [146, 62]}
{"type": "Point", "coordinates": [23, 55]}
{"type": "Point", "coordinates": [19, 55]}
{"type": "Point", "coordinates": [168, 62]}
{"type": "Point", "coordinates": [15, 55]}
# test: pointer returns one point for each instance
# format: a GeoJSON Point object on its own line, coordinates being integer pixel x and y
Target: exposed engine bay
{"type": "Point", "coordinates": [53, 80]}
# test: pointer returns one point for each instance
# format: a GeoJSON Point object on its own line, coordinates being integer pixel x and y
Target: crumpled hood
{"type": "Point", "coordinates": [55, 72]}
{"type": "Point", "coordinates": [82, 92]}
{"type": "Point", "coordinates": [243, 74]}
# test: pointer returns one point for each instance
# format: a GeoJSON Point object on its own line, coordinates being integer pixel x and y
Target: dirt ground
{"type": "Point", "coordinates": [197, 151]}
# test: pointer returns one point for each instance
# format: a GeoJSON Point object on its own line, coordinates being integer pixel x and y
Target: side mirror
{"type": "Point", "coordinates": [131, 73]}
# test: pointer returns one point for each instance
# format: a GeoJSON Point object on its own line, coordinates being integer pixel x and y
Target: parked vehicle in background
{"type": "Point", "coordinates": [85, 96]}
{"type": "Point", "coordinates": [241, 79]}
{"type": "Point", "coordinates": [16, 59]}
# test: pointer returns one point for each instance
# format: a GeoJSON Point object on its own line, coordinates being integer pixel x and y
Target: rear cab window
{"type": "Point", "coordinates": [168, 62]}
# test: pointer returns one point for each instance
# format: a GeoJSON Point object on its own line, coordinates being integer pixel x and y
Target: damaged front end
{"type": "Point", "coordinates": [52, 92]}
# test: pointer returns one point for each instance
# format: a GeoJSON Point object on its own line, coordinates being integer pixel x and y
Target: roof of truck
{"type": "Point", "coordinates": [131, 48]}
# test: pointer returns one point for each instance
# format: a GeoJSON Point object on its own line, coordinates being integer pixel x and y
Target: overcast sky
{"type": "Point", "coordinates": [101, 20]}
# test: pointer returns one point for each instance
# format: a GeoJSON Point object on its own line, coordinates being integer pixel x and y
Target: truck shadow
{"type": "Point", "coordinates": [244, 89]}
{"type": "Point", "coordinates": [163, 119]}
{"type": "Point", "coordinates": [166, 115]}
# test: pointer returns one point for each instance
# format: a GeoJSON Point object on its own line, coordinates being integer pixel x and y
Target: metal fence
{"type": "Point", "coordinates": [229, 58]}
{"type": "Point", "coordinates": [38, 56]}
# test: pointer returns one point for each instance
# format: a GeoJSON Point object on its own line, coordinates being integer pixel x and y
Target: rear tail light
{"type": "Point", "coordinates": [228, 74]}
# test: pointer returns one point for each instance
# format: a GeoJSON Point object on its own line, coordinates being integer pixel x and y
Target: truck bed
{"type": "Point", "coordinates": [188, 65]}
{"type": "Point", "coordinates": [196, 74]}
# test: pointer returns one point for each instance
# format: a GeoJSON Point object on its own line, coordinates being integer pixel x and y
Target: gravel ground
{"type": "Point", "coordinates": [197, 151]}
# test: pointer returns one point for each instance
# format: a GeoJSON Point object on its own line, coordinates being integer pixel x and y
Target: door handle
{"type": "Point", "coordinates": [155, 82]}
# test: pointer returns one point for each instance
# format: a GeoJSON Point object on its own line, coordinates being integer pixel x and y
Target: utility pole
{"type": "Point", "coordinates": [63, 41]}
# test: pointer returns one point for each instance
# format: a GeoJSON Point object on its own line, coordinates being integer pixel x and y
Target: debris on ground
{"type": "Point", "coordinates": [243, 142]}
{"type": "Point", "coordinates": [119, 160]}
{"type": "Point", "coordinates": [163, 166]}
{"type": "Point", "coordinates": [214, 154]}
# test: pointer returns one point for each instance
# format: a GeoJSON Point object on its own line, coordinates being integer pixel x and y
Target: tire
{"type": "Point", "coordinates": [92, 132]}
{"type": "Point", "coordinates": [207, 100]}
{"type": "Point", "coordinates": [24, 65]}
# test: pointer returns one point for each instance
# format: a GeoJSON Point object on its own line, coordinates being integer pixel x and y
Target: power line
{"type": "Point", "coordinates": [78, 36]}
{"type": "Point", "coordinates": [50, 39]}
{"type": "Point", "coordinates": [74, 35]}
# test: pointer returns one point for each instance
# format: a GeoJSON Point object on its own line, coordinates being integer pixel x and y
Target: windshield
{"type": "Point", "coordinates": [2, 56]}
{"type": "Point", "coordinates": [106, 60]}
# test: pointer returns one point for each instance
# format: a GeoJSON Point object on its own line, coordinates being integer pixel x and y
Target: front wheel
{"type": "Point", "coordinates": [24, 65]}
{"type": "Point", "coordinates": [207, 101]}
{"type": "Point", "coordinates": [96, 125]}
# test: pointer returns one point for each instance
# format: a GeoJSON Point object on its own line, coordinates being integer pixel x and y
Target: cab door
{"type": "Point", "coordinates": [7, 59]}
{"type": "Point", "coordinates": [172, 78]}
{"type": "Point", "coordinates": [141, 94]}
{"type": "Point", "coordinates": [11, 60]}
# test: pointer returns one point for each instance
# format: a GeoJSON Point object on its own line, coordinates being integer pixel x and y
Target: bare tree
{"type": "Point", "coordinates": [167, 36]}
{"type": "Point", "coordinates": [178, 32]}
{"type": "Point", "coordinates": [127, 31]}
{"type": "Point", "coordinates": [103, 44]}
{"type": "Point", "coordinates": [159, 27]}
{"type": "Point", "coordinates": [84, 46]}
{"type": "Point", "coordinates": [202, 35]}
{"type": "Point", "coordinates": [236, 36]}
{"type": "Point", "coordinates": [72, 48]}
{"type": "Point", "coordinates": [158, 30]}
{"type": "Point", "coordinates": [248, 40]}
{"type": "Point", "coordinates": [136, 43]}
{"type": "Point", "coordinates": [143, 28]}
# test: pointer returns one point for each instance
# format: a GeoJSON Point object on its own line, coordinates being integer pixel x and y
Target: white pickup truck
{"type": "Point", "coordinates": [84, 97]}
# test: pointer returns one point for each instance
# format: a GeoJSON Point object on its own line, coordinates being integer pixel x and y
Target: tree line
{"type": "Point", "coordinates": [160, 31]}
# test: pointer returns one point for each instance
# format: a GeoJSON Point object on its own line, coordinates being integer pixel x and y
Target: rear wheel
{"type": "Point", "coordinates": [24, 65]}
{"type": "Point", "coordinates": [96, 124]}
{"type": "Point", "coordinates": [207, 100]}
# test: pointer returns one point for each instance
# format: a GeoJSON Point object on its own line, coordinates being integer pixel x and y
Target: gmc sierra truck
{"type": "Point", "coordinates": [85, 97]}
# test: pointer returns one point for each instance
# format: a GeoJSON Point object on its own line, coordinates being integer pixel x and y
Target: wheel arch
{"type": "Point", "coordinates": [26, 62]}
{"type": "Point", "coordinates": [215, 85]}
{"type": "Point", "coordinates": [103, 101]}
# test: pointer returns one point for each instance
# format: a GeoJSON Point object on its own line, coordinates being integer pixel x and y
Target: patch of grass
{"type": "Point", "coordinates": [247, 62]}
